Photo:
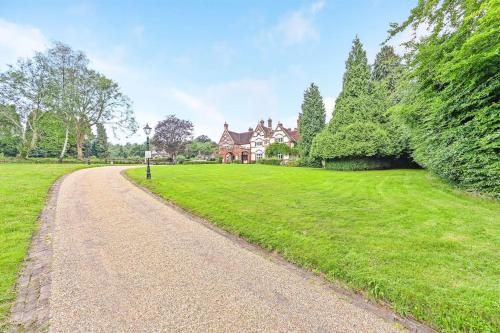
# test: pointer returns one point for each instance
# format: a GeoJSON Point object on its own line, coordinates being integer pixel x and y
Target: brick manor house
{"type": "Point", "coordinates": [250, 146]}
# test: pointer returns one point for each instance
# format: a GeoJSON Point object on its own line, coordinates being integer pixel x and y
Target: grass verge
{"type": "Point", "coordinates": [23, 191]}
{"type": "Point", "coordinates": [400, 236]}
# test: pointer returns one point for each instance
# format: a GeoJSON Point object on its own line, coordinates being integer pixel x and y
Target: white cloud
{"type": "Point", "coordinates": [295, 28]}
{"type": "Point", "coordinates": [199, 106]}
{"type": "Point", "coordinates": [18, 40]}
{"type": "Point", "coordinates": [317, 6]}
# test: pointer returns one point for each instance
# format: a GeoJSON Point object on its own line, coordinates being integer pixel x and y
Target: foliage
{"type": "Point", "coordinates": [23, 190]}
{"type": "Point", "coordinates": [128, 150]}
{"type": "Point", "coordinates": [311, 119]}
{"type": "Point", "coordinates": [276, 148]}
{"type": "Point", "coordinates": [10, 139]}
{"type": "Point", "coordinates": [451, 104]}
{"type": "Point", "coordinates": [270, 161]}
{"type": "Point", "coordinates": [359, 163]}
{"type": "Point", "coordinates": [360, 124]}
{"type": "Point", "coordinates": [309, 162]}
{"type": "Point", "coordinates": [101, 146]}
{"type": "Point", "coordinates": [400, 236]}
{"type": "Point", "coordinates": [172, 134]}
{"type": "Point", "coordinates": [60, 83]}
{"type": "Point", "coordinates": [51, 133]}
{"type": "Point", "coordinates": [180, 159]}
{"type": "Point", "coordinates": [26, 86]}
{"type": "Point", "coordinates": [202, 146]}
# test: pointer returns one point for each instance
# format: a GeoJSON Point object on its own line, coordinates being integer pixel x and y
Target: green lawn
{"type": "Point", "coordinates": [23, 191]}
{"type": "Point", "coordinates": [400, 236]}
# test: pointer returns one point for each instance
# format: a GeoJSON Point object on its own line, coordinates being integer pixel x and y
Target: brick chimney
{"type": "Point", "coordinates": [270, 123]}
{"type": "Point", "coordinates": [262, 122]}
{"type": "Point", "coordinates": [226, 126]}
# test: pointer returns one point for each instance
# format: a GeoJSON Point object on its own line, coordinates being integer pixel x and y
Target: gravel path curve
{"type": "Point", "coordinates": [125, 262]}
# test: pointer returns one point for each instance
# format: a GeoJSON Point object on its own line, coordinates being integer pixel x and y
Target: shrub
{"type": "Point", "coordinates": [358, 163]}
{"type": "Point", "coordinates": [309, 162]}
{"type": "Point", "coordinates": [180, 159]}
{"type": "Point", "coordinates": [270, 161]}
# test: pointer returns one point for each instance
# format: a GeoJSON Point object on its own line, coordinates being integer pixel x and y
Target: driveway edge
{"type": "Point", "coordinates": [381, 310]}
{"type": "Point", "coordinates": [31, 309]}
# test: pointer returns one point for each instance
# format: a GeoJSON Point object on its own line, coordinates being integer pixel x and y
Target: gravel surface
{"type": "Point", "coordinates": [124, 261]}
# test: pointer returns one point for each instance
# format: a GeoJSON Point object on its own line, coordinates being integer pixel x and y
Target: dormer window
{"type": "Point", "coordinates": [279, 139]}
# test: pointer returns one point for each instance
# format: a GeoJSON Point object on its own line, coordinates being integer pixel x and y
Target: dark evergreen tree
{"type": "Point", "coordinates": [311, 119]}
{"type": "Point", "coordinates": [360, 126]}
{"type": "Point", "coordinates": [101, 143]}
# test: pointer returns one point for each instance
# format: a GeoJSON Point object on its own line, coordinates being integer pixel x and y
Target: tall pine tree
{"type": "Point", "coordinates": [311, 119]}
{"type": "Point", "coordinates": [101, 145]}
{"type": "Point", "coordinates": [359, 127]}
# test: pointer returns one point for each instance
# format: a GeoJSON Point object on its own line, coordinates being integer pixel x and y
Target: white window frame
{"type": "Point", "coordinates": [279, 139]}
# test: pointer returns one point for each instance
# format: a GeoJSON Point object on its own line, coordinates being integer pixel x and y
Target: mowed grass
{"type": "Point", "coordinates": [23, 191]}
{"type": "Point", "coordinates": [400, 236]}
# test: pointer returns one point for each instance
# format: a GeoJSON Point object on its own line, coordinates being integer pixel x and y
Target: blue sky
{"type": "Point", "coordinates": [207, 61]}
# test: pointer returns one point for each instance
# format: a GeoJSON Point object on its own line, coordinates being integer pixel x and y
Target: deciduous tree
{"type": "Point", "coordinates": [172, 134]}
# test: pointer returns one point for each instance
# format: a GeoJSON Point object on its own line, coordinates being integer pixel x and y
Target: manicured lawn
{"type": "Point", "coordinates": [400, 236]}
{"type": "Point", "coordinates": [23, 191]}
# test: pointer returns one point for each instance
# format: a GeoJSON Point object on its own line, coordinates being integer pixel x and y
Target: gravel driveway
{"type": "Point", "coordinates": [124, 261]}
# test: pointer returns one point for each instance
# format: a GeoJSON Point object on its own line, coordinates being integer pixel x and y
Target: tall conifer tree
{"type": "Point", "coordinates": [311, 119]}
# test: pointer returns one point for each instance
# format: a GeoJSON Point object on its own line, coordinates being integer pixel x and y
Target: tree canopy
{"type": "Point", "coordinates": [451, 104]}
{"type": "Point", "coordinates": [311, 119]}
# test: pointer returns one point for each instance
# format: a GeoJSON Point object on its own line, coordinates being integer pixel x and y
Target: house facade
{"type": "Point", "coordinates": [250, 146]}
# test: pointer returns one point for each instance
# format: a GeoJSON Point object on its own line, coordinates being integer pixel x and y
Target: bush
{"type": "Point", "coordinates": [309, 162]}
{"type": "Point", "coordinates": [180, 159]}
{"type": "Point", "coordinates": [270, 161]}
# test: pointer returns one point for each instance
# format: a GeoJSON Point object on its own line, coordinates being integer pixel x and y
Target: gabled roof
{"type": "Point", "coordinates": [240, 138]}
{"type": "Point", "coordinates": [293, 134]}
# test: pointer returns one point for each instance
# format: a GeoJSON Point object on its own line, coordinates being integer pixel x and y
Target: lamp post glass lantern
{"type": "Point", "coordinates": [147, 131]}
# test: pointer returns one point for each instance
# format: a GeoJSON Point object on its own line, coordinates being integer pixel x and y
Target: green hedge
{"type": "Point", "coordinates": [270, 161]}
{"type": "Point", "coordinates": [369, 163]}
{"type": "Point", "coordinates": [51, 160]}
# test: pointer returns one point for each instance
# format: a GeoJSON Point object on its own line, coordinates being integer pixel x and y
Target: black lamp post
{"type": "Point", "coordinates": [147, 130]}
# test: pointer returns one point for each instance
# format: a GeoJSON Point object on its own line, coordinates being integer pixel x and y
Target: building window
{"type": "Point", "coordinates": [280, 156]}
{"type": "Point", "coordinates": [258, 144]}
{"type": "Point", "coordinates": [258, 155]}
{"type": "Point", "coordinates": [279, 139]}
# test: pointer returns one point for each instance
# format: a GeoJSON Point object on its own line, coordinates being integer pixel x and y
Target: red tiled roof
{"type": "Point", "coordinates": [241, 138]}
{"type": "Point", "coordinates": [293, 134]}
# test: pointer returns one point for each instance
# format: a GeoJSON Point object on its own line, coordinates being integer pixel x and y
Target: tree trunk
{"type": "Point", "coordinates": [79, 141]}
{"type": "Point", "coordinates": [34, 139]}
{"type": "Point", "coordinates": [24, 144]}
{"type": "Point", "coordinates": [65, 145]}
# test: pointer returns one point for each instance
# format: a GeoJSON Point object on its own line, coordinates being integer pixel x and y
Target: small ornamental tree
{"type": "Point", "coordinates": [172, 135]}
{"type": "Point", "coordinates": [279, 148]}
{"type": "Point", "coordinates": [311, 119]}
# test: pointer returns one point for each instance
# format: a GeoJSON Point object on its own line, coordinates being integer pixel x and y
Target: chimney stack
{"type": "Point", "coordinates": [262, 122]}
{"type": "Point", "coordinates": [250, 129]}
{"type": "Point", "coordinates": [270, 123]}
{"type": "Point", "coordinates": [226, 126]}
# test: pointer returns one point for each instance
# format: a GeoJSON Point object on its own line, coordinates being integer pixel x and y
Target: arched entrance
{"type": "Point", "coordinates": [229, 158]}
